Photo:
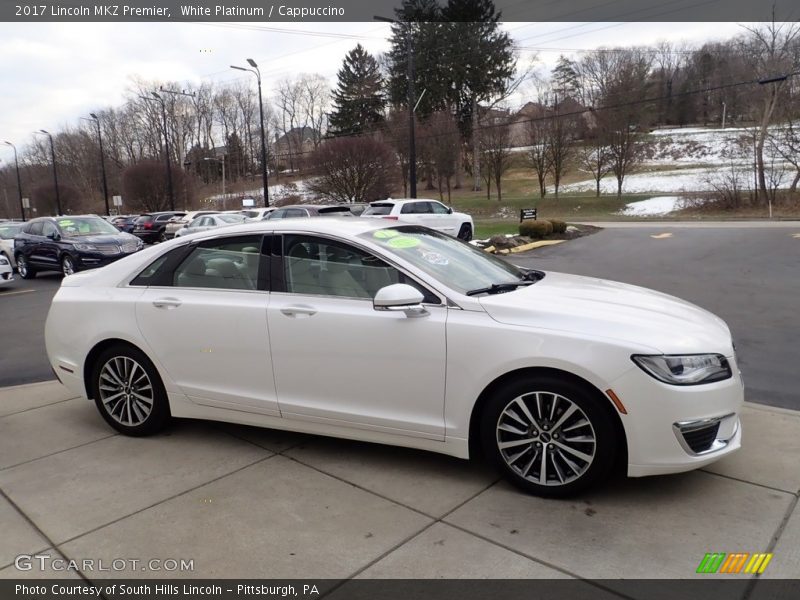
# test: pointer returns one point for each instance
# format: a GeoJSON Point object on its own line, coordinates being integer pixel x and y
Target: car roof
{"type": "Point", "coordinates": [403, 201]}
{"type": "Point", "coordinates": [329, 225]}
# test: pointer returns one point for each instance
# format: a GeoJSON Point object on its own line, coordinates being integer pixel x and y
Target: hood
{"type": "Point", "coordinates": [609, 309]}
{"type": "Point", "coordinates": [105, 238]}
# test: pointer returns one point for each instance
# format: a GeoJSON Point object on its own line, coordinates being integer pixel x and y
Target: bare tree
{"type": "Point", "coordinates": [441, 145]}
{"type": "Point", "coordinates": [595, 157]}
{"type": "Point", "coordinates": [538, 152]}
{"type": "Point", "coordinates": [496, 149]}
{"type": "Point", "coordinates": [359, 169]}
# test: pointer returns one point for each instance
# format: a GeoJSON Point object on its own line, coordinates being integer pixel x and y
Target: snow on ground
{"type": "Point", "coordinates": [658, 206]}
{"type": "Point", "coordinates": [277, 191]}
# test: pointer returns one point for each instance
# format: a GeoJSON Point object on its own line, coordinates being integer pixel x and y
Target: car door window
{"type": "Point", "coordinates": [48, 229]}
{"type": "Point", "coordinates": [295, 212]}
{"type": "Point", "coordinates": [439, 209]}
{"type": "Point", "coordinates": [278, 214]}
{"type": "Point", "coordinates": [415, 208]}
{"type": "Point", "coordinates": [228, 263]}
{"type": "Point", "coordinates": [36, 229]}
{"type": "Point", "coordinates": [319, 266]}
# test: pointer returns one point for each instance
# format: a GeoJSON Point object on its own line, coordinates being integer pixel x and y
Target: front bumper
{"type": "Point", "coordinates": [6, 277]}
{"type": "Point", "coordinates": [671, 429]}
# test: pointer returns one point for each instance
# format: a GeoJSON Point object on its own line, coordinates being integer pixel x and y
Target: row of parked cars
{"type": "Point", "coordinates": [72, 243]}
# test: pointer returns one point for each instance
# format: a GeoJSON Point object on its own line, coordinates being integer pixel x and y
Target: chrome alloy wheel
{"type": "Point", "coordinates": [546, 438]}
{"type": "Point", "coordinates": [126, 391]}
{"type": "Point", "coordinates": [67, 266]}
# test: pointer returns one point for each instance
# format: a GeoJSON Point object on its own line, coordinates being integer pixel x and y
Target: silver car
{"type": "Point", "coordinates": [210, 222]}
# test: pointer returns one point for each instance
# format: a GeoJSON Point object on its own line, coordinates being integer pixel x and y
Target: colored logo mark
{"type": "Point", "coordinates": [734, 563]}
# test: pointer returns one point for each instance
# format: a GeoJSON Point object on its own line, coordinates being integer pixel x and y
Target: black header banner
{"type": "Point", "coordinates": [364, 10]}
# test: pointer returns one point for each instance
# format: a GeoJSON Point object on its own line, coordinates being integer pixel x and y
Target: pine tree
{"type": "Point", "coordinates": [358, 98]}
{"type": "Point", "coordinates": [565, 78]}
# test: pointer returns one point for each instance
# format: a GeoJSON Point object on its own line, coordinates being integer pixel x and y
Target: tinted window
{"type": "Point", "coordinates": [35, 228]}
{"type": "Point", "coordinates": [165, 217]}
{"type": "Point", "coordinates": [335, 211]}
{"type": "Point", "coordinates": [278, 214]}
{"type": "Point", "coordinates": [416, 208]}
{"type": "Point", "coordinates": [48, 229]}
{"type": "Point", "coordinates": [378, 209]}
{"type": "Point", "coordinates": [295, 212]}
{"type": "Point", "coordinates": [229, 263]}
{"type": "Point", "coordinates": [147, 276]}
{"type": "Point", "coordinates": [439, 209]}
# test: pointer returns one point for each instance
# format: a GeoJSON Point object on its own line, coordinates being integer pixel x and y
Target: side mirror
{"type": "Point", "coordinates": [400, 297]}
{"type": "Point", "coordinates": [55, 236]}
{"type": "Point", "coordinates": [449, 210]}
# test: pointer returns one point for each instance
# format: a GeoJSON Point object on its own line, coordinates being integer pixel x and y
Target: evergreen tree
{"type": "Point", "coordinates": [358, 98]}
{"type": "Point", "coordinates": [565, 78]}
{"type": "Point", "coordinates": [235, 157]}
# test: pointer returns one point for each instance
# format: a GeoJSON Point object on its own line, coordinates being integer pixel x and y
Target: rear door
{"type": "Point", "coordinates": [205, 320]}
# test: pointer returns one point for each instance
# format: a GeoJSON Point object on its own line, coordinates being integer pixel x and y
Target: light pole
{"type": "Point", "coordinates": [222, 160]}
{"type": "Point", "coordinates": [55, 171]}
{"type": "Point", "coordinates": [412, 142]}
{"type": "Point", "coordinates": [102, 158]}
{"type": "Point", "coordinates": [255, 71]}
{"type": "Point", "coordinates": [19, 181]}
{"type": "Point", "coordinates": [157, 98]}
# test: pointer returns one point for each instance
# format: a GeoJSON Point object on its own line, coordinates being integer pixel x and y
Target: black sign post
{"type": "Point", "coordinates": [527, 213]}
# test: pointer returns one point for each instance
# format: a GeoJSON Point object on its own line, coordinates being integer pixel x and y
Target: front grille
{"type": "Point", "coordinates": [108, 249]}
{"type": "Point", "coordinates": [700, 439]}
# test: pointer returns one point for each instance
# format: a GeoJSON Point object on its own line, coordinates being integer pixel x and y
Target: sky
{"type": "Point", "coordinates": [54, 73]}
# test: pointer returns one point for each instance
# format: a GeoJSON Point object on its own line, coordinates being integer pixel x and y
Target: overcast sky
{"type": "Point", "coordinates": [54, 73]}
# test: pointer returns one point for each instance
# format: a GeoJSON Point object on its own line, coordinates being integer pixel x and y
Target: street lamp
{"type": "Point", "coordinates": [412, 142]}
{"type": "Point", "coordinates": [102, 158]}
{"type": "Point", "coordinates": [222, 160]}
{"type": "Point", "coordinates": [157, 98]}
{"type": "Point", "coordinates": [19, 182]}
{"type": "Point", "coordinates": [257, 73]}
{"type": "Point", "coordinates": [55, 172]}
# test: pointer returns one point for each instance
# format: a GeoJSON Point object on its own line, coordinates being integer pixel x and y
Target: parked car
{"type": "Point", "coordinates": [207, 222]}
{"type": "Point", "coordinates": [256, 214]}
{"type": "Point", "coordinates": [151, 227]}
{"type": "Point", "coordinates": [430, 213]}
{"type": "Point", "coordinates": [309, 210]}
{"type": "Point", "coordinates": [70, 244]}
{"type": "Point", "coordinates": [177, 223]}
{"type": "Point", "coordinates": [357, 208]}
{"type": "Point", "coordinates": [8, 230]}
{"type": "Point", "coordinates": [124, 222]}
{"type": "Point", "coordinates": [6, 271]}
{"type": "Point", "coordinates": [582, 374]}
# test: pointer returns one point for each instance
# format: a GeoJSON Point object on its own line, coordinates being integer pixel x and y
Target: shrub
{"type": "Point", "coordinates": [558, 226]}
{"type": "Point", "coordinates": [535, 229]}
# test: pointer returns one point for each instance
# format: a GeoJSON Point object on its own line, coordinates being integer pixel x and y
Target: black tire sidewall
{"type": "Point", "coordinates": [29, 273]}
{"type": "Point", "coordinates": [64, 258]}
{"type": "Point", "coordinates": [160, 414]}
{"type": "Point", "coordinates": [589, 401]}
{"type": "Point", "coordinates": [465, 232]}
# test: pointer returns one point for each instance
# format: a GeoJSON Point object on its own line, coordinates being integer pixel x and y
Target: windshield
{"type": "Point", "coordinates": [378, 209]}
{"type": "Point", "coordinates": [8, 230]}
{"type": "Point", "coordinates": [231, 218]}
{"type": "Point", "coordinates": [457, 265]}
{"type": "Point", "coordinates": [80, 226]}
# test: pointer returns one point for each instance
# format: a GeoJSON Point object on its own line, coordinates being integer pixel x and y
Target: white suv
{"type": "Point", "coordinates": [430, 213]}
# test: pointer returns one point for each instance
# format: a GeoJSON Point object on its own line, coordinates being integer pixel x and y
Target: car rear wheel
{"type": "Point", "coordinates": [24, 270]}
{"type": "Point", "coordinates": [128, 391]}
{"type": "Point", "coordinates": [548, 436]}
{"type": "Point", "coordinates": [162, 236]}
{"type": "Point", "coordinates": [465, 233]}
{"type": "Point", "coordinates": [67, 265]}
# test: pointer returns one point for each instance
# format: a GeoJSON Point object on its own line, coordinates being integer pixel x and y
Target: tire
{"type": "Point", "coordinates": [25, 271]}
{"type": "Point", "coordinates": [128, 391]}
{"type": "Point", "coordinates": [565, 461]}
{"type": "Point", "coordinates": [162, 237]}
{"type": "Point", "coordinates": [68, 265]}
{"type": "Point", "coordinates": [465, 233]}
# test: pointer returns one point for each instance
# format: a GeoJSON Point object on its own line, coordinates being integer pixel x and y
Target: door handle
{"type": "Point", "coordinates": [167, 303]}
{"type": "Point", "coordinates": [296, 311]}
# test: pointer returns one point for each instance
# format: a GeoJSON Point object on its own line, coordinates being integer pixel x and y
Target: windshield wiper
{"type": "Point", "coordinates": [499, 288]}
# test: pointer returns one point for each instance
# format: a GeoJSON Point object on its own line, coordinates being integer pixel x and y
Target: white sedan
{"type": "Point", "coordinates": [557, 378]}
{"type": "Point", "coordinates": [430, 213]}
{"type": "Point", "coordinates": [206, 222]}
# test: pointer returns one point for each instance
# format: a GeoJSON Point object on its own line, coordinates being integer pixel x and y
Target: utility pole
{"type": "Point", "coordinates": [257, 72]}
{"type": "Point", "coordinates": [410, 73]}
{"type": "Point", "coordinates": [55, 171]}
{"type": "Point", "coordinates": [19, 182]}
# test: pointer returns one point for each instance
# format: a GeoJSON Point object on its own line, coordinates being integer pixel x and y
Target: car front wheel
{"type": "Point", "coordinates": [24, 270]}
{"type": "Point", "coordinates": [67, 265]}
{"type": "Point", "coordinates": [465, 233]}
{"type": "Point", "coordinates": [128, 391]}
{"type": "Point", "coordinates": [548, 436]}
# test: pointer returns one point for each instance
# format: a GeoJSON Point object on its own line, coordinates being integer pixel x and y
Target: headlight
{"type": "Point", "coordinates": [3, 260]}
{"type": "Point", "coordinates": [85, 247]}
{"type": "Point", "coordinates": [689, 369]}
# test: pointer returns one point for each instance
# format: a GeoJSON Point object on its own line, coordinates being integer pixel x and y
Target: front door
{"type": "Point", "coordinates": [339, 361]}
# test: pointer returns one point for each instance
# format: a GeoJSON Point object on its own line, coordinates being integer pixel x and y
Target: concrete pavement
{"type": "Point", "coordinates": [247, 502]}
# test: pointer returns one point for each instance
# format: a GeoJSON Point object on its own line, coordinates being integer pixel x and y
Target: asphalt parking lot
{"type": "Point", "coordinates": [247, 502]}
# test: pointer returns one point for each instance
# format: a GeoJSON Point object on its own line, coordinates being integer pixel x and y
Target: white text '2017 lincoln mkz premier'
{"type": "Point", "coordinates": [401, 335]}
